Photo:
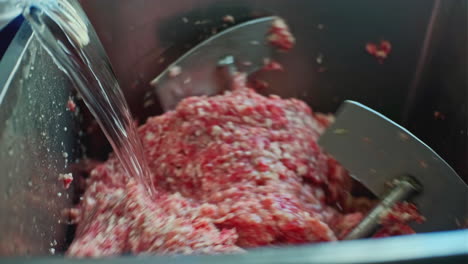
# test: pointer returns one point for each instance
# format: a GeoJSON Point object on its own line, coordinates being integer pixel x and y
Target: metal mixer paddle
{"type": "Point", "coordinates": [379, 153]}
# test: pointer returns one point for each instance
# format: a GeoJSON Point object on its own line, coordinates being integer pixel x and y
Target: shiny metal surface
{"type": "Point", "coordinates": [440, 248]}
{"type": "Point", "coordinates": [38, 140]}
{"type": "Point", "coordinates": [199, 71]}
{"type": "Point", "coordinates": [377, 151]}
{"type": "Point", "coordinates": [142, 37]}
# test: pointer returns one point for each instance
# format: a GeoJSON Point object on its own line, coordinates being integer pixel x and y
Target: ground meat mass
{"type": "Point", "coordinates": [232, 171]}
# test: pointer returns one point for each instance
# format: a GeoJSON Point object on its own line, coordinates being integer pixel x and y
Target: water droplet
{"type": "Point", "coordinates": [319, 59]}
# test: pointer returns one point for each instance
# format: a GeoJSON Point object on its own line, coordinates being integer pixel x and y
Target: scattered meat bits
{"type": "Point", "coordinates": [280, 36]}
{"type": "Point", "coordinates": [66, 179]}
{"type": "Point", "coordinates": [380, 51]}
{"type": "Point", "coordinates": [71, 106]}
{"type": "Point", "coordinates": [71, 215]}
{"type": "Point", "coordinates": [395, 222]}
{"type": "Point", "coordinates": [271, 65]}
{"type": "Point", "coordinates": [174, 71]}
{"type": "Point", "coordinates": [258, 84]}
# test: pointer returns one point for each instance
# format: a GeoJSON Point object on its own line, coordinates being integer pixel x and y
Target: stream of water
{"type": "Point", "coordinates": [65, 32]}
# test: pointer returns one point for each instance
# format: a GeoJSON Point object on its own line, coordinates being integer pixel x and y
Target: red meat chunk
{"type": "Point", "coordinates": [280, 36]}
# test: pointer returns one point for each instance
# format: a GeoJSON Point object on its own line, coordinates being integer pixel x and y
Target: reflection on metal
{"type": "Point", "coordinates": [38, 139]}
{"type": "Point", "coordinates": [377, 151]}
{"type": "Point", "coordinates": [245, 42]}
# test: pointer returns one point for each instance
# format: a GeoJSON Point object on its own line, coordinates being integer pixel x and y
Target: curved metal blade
{"type": "Point", "coordinates": [195, 73]}
{"type": "Point", "coordinates": [375, 150]}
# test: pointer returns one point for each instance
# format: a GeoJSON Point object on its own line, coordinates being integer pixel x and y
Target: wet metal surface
{"type": "Point", "coordinates": [38, 140]}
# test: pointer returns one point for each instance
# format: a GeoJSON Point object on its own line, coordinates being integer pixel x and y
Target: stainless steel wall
{"type": "Point", "coordinates": [38, 141]}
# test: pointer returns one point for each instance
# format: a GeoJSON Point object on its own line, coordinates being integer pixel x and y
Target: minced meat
{"type": "Point", "coordinates": [233, 171]}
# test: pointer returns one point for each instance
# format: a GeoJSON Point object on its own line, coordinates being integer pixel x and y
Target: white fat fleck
{"type": "Point", "coordinates": [216, 130]}
{"type": "Point", "coordinates": [256, 218]}
{"type": "Point", "coordinates": [159, 242]}
{"type": "Point", "coordinates": [201, 111]}
{"type": "Point", "coordinates": [119, 192]}
{"type": "Point", "coordinates": [279, 23]}
{"type": "Point", "coordinates": [241, 108]}
{"type": "Point", "coordinates": [276, 148]}
{"type": "Point", "coordinates": [149, 136]}
{"type": "Point", "coordinates": [230, 125]}
{"type": "Point", "coordinates": [271, 175]}
{"type": "Point", "coordinates": [247, 119]}
{"type": "Point", "coordinates": [175, 71]}
{"type": "Point", "coordinates": [90, 201]}
{"type": "Point", "coordinates": [302, 170]}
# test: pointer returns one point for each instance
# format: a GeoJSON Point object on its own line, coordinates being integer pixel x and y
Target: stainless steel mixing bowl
{"type": "Point", "coordinates": [422, 85]}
